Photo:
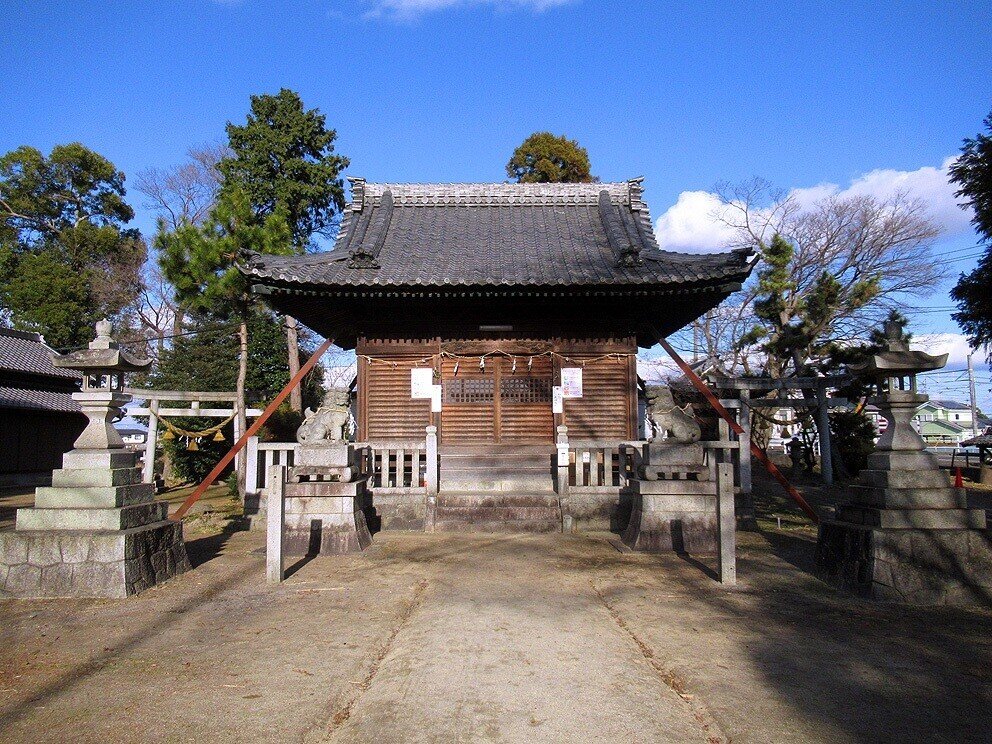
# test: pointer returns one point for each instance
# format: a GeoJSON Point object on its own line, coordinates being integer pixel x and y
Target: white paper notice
{"type": "Point", "coordinates": [421, 382]}
{"type": "Point", "coordinates": [557, 405]}
{"type": "Point", "coordinates": [435, 398]}
{"type": "Point", "coordinates": [571, 382]}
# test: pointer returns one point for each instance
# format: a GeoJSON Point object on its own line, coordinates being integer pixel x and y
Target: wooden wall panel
{"type": "Point", "coordinates": [603, 411]}
{"type": "Point", "coordinates": [468, 423]}
{"type": "Point", "coordinates": [390, 412]}
{"type": "Point", "coordinates": [526, 422]}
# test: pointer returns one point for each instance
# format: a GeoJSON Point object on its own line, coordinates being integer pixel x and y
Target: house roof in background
{"type": "Point", "coordinates": [498, 234]}
{"type": "Point", "coordinates": [27, 353]}
{"type": "Point", "coordinates": [951, 405]}
{"type": "Point", "coordinates": [37, 400]}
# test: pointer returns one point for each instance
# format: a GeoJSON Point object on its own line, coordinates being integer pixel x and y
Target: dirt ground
{"type": "Point", "coordinates": [451, 638]}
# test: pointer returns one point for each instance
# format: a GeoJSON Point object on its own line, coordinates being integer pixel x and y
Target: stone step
{"type": "Point", "coordinates": [95, 477]}
{"type": "Point", "coordinates": [910, 498]}
{"type": "Point", "coordinates": [480, 481]}
{"type": "Point", "coordinates": [497, 450]}
{"type": "Point", "coordinates": [497, 525]}
{"type": "Point", "coordinates": [109, 459]}
{"type": "Point", "coordinates": [908, 519]}
{"type": "Point", "coordinates": [477, 462]}
{"type": "Point", "coordinates": [93, 497]}
{"type": "Point", "coordinates": [904, 479]}
{"type": "Point", "coordinates": [492, 499]}
{"type": "Point", "coordinates": [499, 513]}
{"type": "Point", "coordinates": [122, 518]}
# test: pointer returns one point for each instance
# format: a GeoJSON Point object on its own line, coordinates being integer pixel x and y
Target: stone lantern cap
{"type": "Point", "coordinates": [898, 360]}
{"type": "Point", "coordinates": [104, 355]}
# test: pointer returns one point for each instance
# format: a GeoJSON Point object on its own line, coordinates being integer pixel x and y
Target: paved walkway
{"type": "Point", "coordinates": [460, 638]}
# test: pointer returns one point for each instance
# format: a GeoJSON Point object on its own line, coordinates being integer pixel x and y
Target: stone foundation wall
{"type": "Point", "coordinates": [683, 519]}
{"type": "Point", "coordinates": [606, 509]}
{"type": "Point", "coordinates": [326, 517]}
{"type": "Point", "coordinates": [90, 564]}
{"type": "Point", "coordinates": [916, 566]}
{"type": "Point", "coordinates": [400, 511]}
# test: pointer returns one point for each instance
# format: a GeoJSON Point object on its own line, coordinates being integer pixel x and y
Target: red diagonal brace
{"type": "Point", "coordinates": [252, 430]}
{"type": "Point", "coordinates": [756, 451]}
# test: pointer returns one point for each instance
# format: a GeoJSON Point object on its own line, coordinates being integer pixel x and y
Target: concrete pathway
{"type": "Point", "coordinates": [463, 638]}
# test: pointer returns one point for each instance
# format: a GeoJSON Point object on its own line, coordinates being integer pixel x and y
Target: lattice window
{"type": "Point", "coordinates": [525, 390]}
{"type": "Point", "coordinates": [470, 390]}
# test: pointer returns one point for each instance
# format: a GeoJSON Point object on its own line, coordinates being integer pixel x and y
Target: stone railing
{"type": "Point", "coordinates": [397, 464]}
{"type": "Point", "coordinates": [261, 456]}
{"type": "Point", "coordinates": [594, 464]}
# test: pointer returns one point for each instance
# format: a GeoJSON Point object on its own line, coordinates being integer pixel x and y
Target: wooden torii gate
{"type": "Point", "coordinates": [154, 410]}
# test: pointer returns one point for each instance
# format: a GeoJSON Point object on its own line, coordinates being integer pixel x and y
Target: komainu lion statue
{"type": "Point", "coordinates": [329, 423]}
{"type": "Point", "coordinates": [666, 417]}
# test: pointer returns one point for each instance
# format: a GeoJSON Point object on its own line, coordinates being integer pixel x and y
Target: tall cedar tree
{"type": "Point", "coordinates": [283, 158]}
{"type": "Point", "coordinates": [200, 263]}
{"type": "Point", "coordinates": [66, 259]}
{"type": "Point", "coordinates": [972, 172]}
{"type": "Point", "coordinates": [546, 158]}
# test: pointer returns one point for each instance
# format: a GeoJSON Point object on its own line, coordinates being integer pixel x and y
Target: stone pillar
{"type": "Point", "coordinates": [276, 524]}
{"type": "Point", "coordinates": [562, 462]}
{"type": "Point", "coordinates": [431, 478]}
{"type": "Point", "coordinates": [148, 475]}
{"type": "Point", "coordinates": [823, 424]}
{"type": "Point", "coordinates": [726, 524]}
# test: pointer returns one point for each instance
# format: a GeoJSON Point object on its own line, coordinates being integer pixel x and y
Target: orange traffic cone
{"type": "Point", "coordinates": [958, 480]}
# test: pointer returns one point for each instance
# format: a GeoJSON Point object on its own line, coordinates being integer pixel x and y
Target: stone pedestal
{"type": "Point", "coordinates": [674, 501]}
{"type": "Point", "coordinates": [327, 503]}
{"type": "Point", "coordinates": [95, 532]}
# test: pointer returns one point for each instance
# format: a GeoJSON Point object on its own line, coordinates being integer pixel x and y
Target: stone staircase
{"type": "Point", "coordinates": [497, 488]}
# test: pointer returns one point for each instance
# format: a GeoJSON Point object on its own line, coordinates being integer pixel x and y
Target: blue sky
{"type": "Point", "coordinates": [685, 94]}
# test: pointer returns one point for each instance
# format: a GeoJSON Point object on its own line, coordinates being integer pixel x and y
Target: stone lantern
{"type": "Point", "coordinates": [904, 533]}
{"type": "Point", "coordinates": [97, 530]}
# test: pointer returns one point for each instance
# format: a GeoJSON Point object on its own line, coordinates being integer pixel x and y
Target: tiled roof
{"type": "Point", "coordinates": [540, 235]}
{"type": "Point", "coordinates": [26, 353]}
{"type": "Point", "coordinates": [37, 400]}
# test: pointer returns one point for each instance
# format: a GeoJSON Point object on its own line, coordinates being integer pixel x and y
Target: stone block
{"type": "Point", "coordinates": [75, 547]}
{"type": "Point", "coordinates": [909, 498]}
{"type": "Point", "coordinates": [673, 487]}
{"type": "Point", "coordinates": [57, 580]}
{"type": "Point", "coordinates": [904, 479]}
{"type": "Point", "coordinates": [678, 503]}
{"type": "Point", "coordinates": [105, 459]}
{"type": "Point", "coordinates": [95, 477]}
{"type": "Point", "coordinates": [23, 580]}
{"type": "Point", "coordinates": [916, 461]}
{"type": "Point", "coordinates": [673, 454]}
{"type": "Point", "coordinates": [13, 549]}
{"type": "Point", "coordinates": [99, 580]}
{"type": "Point", "coordinates": [107, 548]}
{"type": "Point", "coordinates": [329, 454]}
{"type": "Point", "coordinates": [93, 497]}
{"type": "Point", "coordinates": [91, 519]}
{"type": "Point", "coordinates": [45, 550]}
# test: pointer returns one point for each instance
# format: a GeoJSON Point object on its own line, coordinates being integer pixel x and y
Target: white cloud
{"type": "Point", "coordinates": [411, 8]}
{"type": "Point", "coordinates": [692, 223]}
{"type": "Point", "coordinates": [955, 345]}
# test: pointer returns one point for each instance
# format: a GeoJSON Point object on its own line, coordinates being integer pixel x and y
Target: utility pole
{"type": "Point", "coordinates": [971, 390]}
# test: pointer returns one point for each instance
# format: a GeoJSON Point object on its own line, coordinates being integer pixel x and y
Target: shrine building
{"type": "Point", "coordinates": [522, 306]}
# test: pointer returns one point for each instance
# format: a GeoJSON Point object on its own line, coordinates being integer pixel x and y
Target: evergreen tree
{"type": "Point", "coordinates": [546, 158]}
{"type": "Point", "coordinates": [283, 159]}
{"type": "Point", "coordinates": [972, 172]}
{"type": "Point", "coordinates": [66, 259]}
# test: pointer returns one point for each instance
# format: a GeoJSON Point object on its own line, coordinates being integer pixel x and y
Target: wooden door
{"type": "Point", "coordinates": [502, 402]}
